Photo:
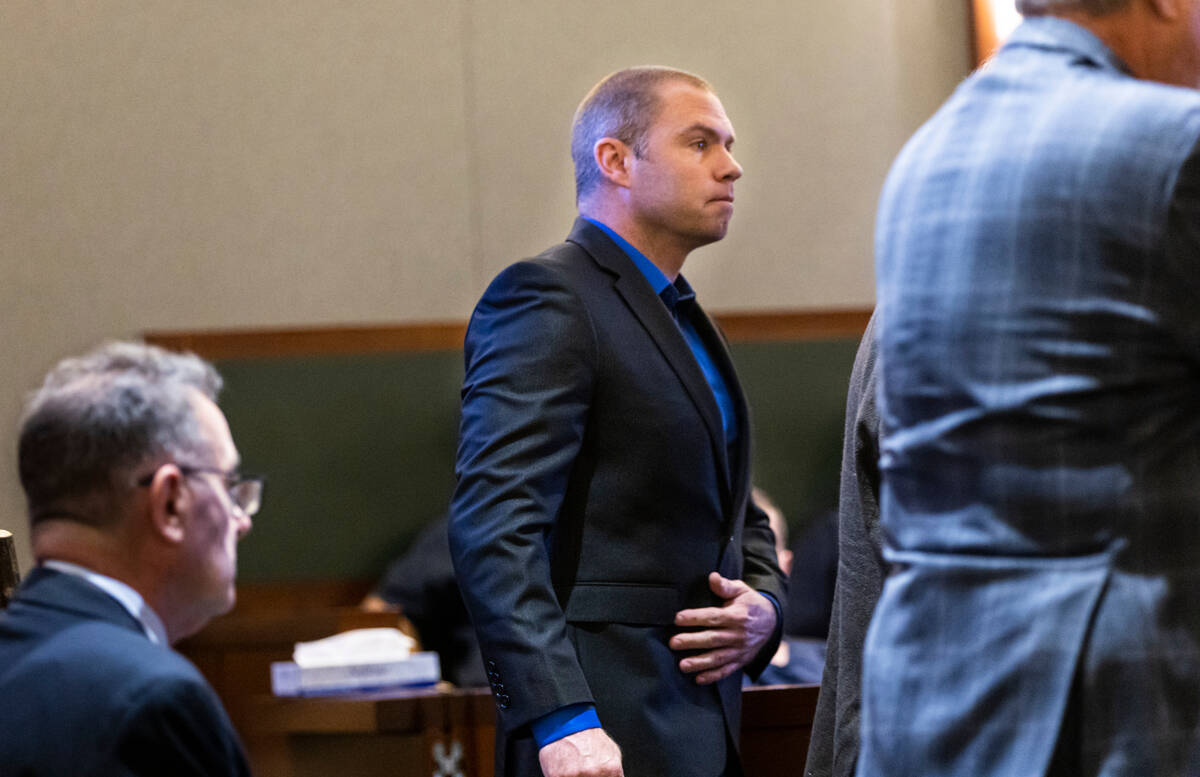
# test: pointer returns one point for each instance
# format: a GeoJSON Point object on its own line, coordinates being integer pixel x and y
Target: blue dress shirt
{"type": "Point", "coordinates": [676, 296]}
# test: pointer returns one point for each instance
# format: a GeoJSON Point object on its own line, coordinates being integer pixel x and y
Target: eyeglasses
{"type": "Point", "coordinates": [245, 491]}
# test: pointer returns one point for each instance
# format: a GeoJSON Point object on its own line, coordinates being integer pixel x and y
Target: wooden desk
{"type": "Point", "coordinates": [451, 734]}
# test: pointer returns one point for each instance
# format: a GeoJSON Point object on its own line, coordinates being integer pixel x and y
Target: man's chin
{"type": "Point", "coordinates": [709, 238]}
{"type": "Point", "coordinates": [230, 600]}
{"type": "Point", "coordinates": [221, 605]}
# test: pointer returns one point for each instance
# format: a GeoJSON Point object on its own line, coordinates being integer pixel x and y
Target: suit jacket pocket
{"type": "Point", "coordinates": [632, 603]}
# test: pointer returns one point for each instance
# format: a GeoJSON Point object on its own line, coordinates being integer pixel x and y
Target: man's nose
{"type": "Point", "coordinates": [730, 169]}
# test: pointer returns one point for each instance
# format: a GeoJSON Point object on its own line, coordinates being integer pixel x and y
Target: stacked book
{"type": "Point", "coordinates": [354, 661]}
{"type": "Point", "coordinates": [290, 679]}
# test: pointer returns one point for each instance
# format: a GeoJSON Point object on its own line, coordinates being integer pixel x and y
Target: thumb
{"type": "Point", "coordinates": [724, 587]}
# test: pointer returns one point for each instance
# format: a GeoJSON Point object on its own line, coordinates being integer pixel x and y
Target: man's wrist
{"type": "Point", "coordinates": [778, 609]}
{"type": "Point", "coordinates": [564, 722]}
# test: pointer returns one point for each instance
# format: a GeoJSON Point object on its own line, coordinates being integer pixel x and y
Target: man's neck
{"type": "Point", "coordinates": [1147, 42]}
{"type": "Point", "coordinates": [665, 253]}
{"type": "Point", "coordinates": [108, 552]}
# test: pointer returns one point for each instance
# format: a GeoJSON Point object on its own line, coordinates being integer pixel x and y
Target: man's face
{"type": "Point", "coordinates": [208, 563]}
{"type": "Point", "coordinates": [681, 187]}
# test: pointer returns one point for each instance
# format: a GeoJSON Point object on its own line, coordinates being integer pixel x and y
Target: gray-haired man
{"type": "Point", "coordinates": [136, 507]}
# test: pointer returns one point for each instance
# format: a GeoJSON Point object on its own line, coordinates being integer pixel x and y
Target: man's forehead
{"type": "Point", "coordinates": [683, 107]}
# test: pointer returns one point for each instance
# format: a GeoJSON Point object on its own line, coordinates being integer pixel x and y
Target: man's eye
{"type": "Point", "coordinates": [700, 144]}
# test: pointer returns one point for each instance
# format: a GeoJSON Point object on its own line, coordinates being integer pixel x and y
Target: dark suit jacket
{"type": "Point", "coordinates": [833, 745]}
{"type": "Point", "coordinates": [594, 497]}
{"type": "Point", "coordinates": [1037, 257]}
{"type": "Point", "coordinates": [84, 692]}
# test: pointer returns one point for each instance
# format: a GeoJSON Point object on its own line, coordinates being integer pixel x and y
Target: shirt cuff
{"type": "Point", "coordinates": [564, 721]}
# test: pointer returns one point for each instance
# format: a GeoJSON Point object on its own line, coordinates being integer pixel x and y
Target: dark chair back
{"type": "Point", "coordinates": [9, 574]}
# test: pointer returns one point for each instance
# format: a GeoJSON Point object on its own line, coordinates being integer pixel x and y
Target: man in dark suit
{"type": "Point", "coordinates": [1037, 250]}
{"type": "Point", "coordinates": [135, 506]}
{"type": "Point", "coordinates": [602, 531]}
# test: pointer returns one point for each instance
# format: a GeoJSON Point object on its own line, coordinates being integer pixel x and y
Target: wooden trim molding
{"type": "Point", "coordinates": [759, 326]}
{"type": "Point", "coordinates": [779, 325]}
{"type": "Point", "coordinates": [316, 341]}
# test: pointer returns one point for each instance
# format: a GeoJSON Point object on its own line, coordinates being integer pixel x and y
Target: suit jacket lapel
{"type": "Point", "coordinates": [657, 320]}
{"type": "Point", "coordinates": [739, 468]}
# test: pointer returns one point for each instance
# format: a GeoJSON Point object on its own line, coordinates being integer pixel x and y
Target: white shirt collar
{"type": "Point", "coordinates": [128, 598]}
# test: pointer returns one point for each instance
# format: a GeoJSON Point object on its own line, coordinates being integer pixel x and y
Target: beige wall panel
{"type": "Point", "coordinates": [822, 95]}
{"type": "Point", "coordinates": [252, 163]}
{"type": "Point", "coordinates": [187, 165]}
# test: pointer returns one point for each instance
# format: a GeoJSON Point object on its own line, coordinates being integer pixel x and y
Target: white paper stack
{"type": "Point", "coordinates": [359, 660]}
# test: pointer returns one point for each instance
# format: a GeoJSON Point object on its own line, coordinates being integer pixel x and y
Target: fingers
{"type": "Point", "coordinates": [712, 660]}
{"type": "Point", "coordinates": [720, 673]}
{"type": "Point", "coordinates": [703, 640]}
{"type": "Point", "coordinates": [726, 588]}
{"type": "Point", "coordinates": [728, 614]}
{"type": "Point", "coordinates": [706, 617]}
{"type": "Point", "coordinates": [731, 633]}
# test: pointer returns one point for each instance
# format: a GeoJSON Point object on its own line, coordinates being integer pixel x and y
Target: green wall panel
{"type": "Point", "coordinates": [797, 395]}
{"type": "Point", "coordinates": [359, 450]}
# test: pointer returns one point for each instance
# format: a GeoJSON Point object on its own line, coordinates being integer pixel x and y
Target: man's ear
{"type": "Point", "coordinates": [614, 160]}
{"type": "Point", "coordinates": [170, 503]}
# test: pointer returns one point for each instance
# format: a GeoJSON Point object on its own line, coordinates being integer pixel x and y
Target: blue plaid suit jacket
{"type": "Point", "coordinates": [1038, 262]}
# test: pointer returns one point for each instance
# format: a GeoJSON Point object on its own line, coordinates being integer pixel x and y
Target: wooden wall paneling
{"type": "Point", "coordinates": [755, 326]}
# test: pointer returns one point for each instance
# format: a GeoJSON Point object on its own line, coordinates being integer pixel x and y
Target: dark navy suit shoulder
{"type": "Point", "coordinates": [86, 692]}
